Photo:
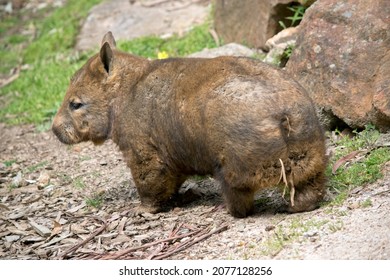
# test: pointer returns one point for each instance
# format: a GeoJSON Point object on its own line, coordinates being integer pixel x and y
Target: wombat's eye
{"type": "Point", "coordinates": [75, 105]}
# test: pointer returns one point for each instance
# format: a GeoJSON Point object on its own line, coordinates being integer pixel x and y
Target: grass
{"type": "Point", "coordinates": [37, 94]}
{"type": "Point", "coordinates": [8, 163]}
{"type": "Point", "coordinates": [293, 231]}
{"type": "Point", "coordinates": [35, 167]}
{"type": "Point", "coordinates": [359, 172]}
{"type": "Point", "coordinates": [94, 201]}
{"type": "Point", "coordinates": [297, 14]}
{"type": "Point", "coordinates": [195, 40]}
{"type": "Point", "coordinates": [78, 183]}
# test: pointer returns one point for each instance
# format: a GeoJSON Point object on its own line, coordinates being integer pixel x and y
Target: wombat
{"type": "Point", "coordinates": [242, 121]}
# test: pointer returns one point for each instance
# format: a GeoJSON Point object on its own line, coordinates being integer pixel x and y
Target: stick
{"type": "Point", "coordinates": [173, 233]}
{"type": "Point", "coordinates": [196, 240]}
{"type": "Point", "coordinates": [92, 236]}
{"type": "Point", "coordinates": [124, 252]}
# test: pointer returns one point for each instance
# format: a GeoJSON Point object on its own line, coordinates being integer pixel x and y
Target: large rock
{"type": "Point", "coordinates": [232, 49]}
{"type": "Point", "coordinates": [251, 22]}
{"type": "Point", "coordinates": [129, 19]}
{"type": "Point", "coordinates": [343, 59]}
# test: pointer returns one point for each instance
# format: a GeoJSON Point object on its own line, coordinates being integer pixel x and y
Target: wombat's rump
{"type": "Point", "coordinates": [244, 122]}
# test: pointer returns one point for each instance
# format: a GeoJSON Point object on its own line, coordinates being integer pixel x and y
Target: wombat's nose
{"type": "Point", "coordinates": [58, 129]}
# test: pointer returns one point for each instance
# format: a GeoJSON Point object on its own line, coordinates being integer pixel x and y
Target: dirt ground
{"type": "Point", "coordinates": [48, 192]}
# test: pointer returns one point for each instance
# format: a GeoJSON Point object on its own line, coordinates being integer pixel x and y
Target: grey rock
{"type": "Point", "coordinates": [231, 49]}
{"type": "Point", "coordinates": [132, 19]}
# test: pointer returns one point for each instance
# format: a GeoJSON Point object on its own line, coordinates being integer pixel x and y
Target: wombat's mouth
{"type": "Point", "coordinates": [65, 136]}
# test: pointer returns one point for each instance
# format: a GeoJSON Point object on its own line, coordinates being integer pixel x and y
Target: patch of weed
{"type": "Point", "coordinates": [78, 183]}
{"type": "Point", "coordinates": [366, 203]}
{"type": "Point", "coordinates": [284, 235]}
{"type": "Point", "coordinates": [9, 163]}
{"type": "Point", "coordinates": [297, 14]}
{"type": "Point", "coordinates": [36, 167]}
{"type": "Point", "coordinates": [36, 94]}
{"type": "Point", "coordinates": [365, 139]}
{"type": "Point", "coordinates": [195, 40]}
{"type": "Point", "coordinates": [336, 226]}
{"type": "Point", "coordinates": [359, 172]}
{"type": "Point", "coordinates": [94, 201]}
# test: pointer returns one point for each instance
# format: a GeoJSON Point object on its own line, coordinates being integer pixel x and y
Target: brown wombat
{"type": "Point", "coordinates": [244, 122]}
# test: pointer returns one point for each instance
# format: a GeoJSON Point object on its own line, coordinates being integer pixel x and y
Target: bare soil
{"type": "Point", "coordinates": [48, 192]}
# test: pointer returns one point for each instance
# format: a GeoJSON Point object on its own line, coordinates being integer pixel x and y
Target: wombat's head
{"type": "Point", "coordinates": [85, 112]}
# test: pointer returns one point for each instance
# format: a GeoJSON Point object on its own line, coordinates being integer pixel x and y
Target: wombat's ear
{"type": "Point", "coordinates": [109, 38]}
{"type": "Point", "coordinates": [106, 54]}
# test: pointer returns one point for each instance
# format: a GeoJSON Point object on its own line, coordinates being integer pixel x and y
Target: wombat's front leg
{"type": "Point", "coordinates": [154, 181]}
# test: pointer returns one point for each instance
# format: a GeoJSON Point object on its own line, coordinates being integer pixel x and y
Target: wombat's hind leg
{"type": "Point", "coordinates": [308, 194]}
{"type": "Point", "coordinates": [239, 200]}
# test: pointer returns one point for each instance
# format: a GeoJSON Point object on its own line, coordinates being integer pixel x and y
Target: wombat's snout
{"type": "Point", "coordinates": [63, 131]}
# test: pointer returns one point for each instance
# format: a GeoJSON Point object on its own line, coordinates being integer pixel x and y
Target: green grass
{"type": "Point", "coordinates": [298, 12]}
{"type": "Point", "coordinates": [78, 183]}
{"type": "Point", "coordinates": [294, 231]}
{"type": "Point", "coordinates": [195, 40]}
{"type": "Point", "coordinates": [8, 163]}
{"type": "Point", "coordinates": [94, 201]}
{"type": "Point", "coordinates": [10, 46]}
{"type": "Point", "coordinates": [37, 94]}
{"type": "Point", "coordinates": [358, 172]}
{"type": "Point", "coordinates": [35, 167]}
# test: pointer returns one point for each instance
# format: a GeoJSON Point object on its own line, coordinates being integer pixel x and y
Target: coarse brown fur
{"type": "Point", "coordinates": [238, 119]}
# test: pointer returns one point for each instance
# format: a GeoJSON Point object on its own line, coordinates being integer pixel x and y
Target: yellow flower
{"type": "Point", "coordinates": [162, 55]}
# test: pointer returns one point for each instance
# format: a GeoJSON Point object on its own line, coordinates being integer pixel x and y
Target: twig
{"type": "Point", "coordinates": [129, 250]}
{"type": "Point", "coordinates": [382, 192]}
{"type": "Point", "coordinates": [196, 240]}
{"type": "Point", "coordinates": [157, 3]}
{"type": "Point", "coordinates": [92, 236]}
{"type": "Point", "coordinates": [173, 233]}
{"type": "Point", "coordinates": [214, 209]}
{"type": "Point", "coordinates": [10, 79]}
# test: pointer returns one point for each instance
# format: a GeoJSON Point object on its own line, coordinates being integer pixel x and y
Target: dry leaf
{"type": "Point", "coordinates": [3, 206]}
{"type": "Point", "coordinates": [344, 160]}
{"type": "Point", "coordinates": [77, 208]}
{"type": "Point", "coordinates": [12, 238]}
{"type": "Point", "coordinates": [78, 229]}
{"type": "Point", "coordinates": [40, 229]}
{"type": "Point", "coordinates": [56, 229]}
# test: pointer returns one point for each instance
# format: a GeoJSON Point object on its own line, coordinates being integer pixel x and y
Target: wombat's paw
{"type": "Point", "coordinates": [240, 211]}
{"type": "Point", "coordinates": [301, 207]}
{"type": "Point", "coordinates": [141, 209]}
